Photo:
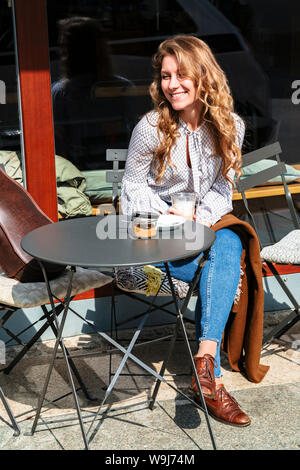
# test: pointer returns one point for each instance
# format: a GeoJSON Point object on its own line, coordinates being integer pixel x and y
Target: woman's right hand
{"type": "Point", "coordinates": [175, 211]}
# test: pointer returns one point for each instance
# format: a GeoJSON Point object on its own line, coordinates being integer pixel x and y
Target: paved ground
{"type": "Point", "coordinates": [126, 423]}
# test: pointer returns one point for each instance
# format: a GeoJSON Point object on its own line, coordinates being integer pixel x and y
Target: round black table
{"type": "Point", "coordinates": [98, 242]}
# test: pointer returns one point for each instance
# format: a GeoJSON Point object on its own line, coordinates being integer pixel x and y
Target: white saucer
{"type": "Point", "coordinates": [169, 221]}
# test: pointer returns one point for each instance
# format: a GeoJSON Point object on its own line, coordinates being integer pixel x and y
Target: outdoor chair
{"type": "Point", "coordinates": [282, 252]}
{"type": "Point", "coordinates": [115, 175]}
{"type": "Point", "coordinates": [15, 295]}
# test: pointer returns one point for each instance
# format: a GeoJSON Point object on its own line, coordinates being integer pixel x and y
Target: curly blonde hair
{"type": "Point", "coordinates": [197, 62]}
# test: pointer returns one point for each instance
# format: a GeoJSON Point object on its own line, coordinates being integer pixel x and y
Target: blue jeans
{"type": "Point", "coordinates": [217, 286]}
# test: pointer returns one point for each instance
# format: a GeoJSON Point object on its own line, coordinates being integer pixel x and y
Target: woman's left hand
{"type": "Point", "coordinates": [203, 222]}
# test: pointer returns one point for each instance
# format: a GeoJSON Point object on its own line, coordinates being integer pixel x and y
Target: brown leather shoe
{"type": "Point", "coordinates": [205, 370]}
{"type": "Point", "coordinates": [225, 409]}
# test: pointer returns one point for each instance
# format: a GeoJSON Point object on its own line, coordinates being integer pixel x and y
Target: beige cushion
{"type": "Point", "coordinates": [286, 251]}
{"type": "Point", "coordinates": [33, 294]}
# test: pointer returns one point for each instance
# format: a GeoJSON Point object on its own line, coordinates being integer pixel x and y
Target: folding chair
{"type": "Point", "coordinates": [15, 295]}
{"type": "Point", "coordinates": [285, 251]}
{"type": "Point", "coordinates": [19, 215]}
{"type": "Point", "coordinates": [115, 175]}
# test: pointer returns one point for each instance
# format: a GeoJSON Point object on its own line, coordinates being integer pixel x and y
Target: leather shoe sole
{"type": "Point", "coordinates": [235, 425]}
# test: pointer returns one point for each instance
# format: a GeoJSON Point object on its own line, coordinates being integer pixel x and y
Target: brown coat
{"type": "Point", "coordinates": [244, 329]}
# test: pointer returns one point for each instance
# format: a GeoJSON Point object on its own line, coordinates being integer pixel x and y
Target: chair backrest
{"type": "Point", "coordinates": [263, 176]}
{"type": "Point", "coordinates": [115, 175]}
{"type": "Point", "coordinates": [19, 214]}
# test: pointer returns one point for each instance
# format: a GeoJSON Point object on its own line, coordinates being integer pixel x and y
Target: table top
{"type": "Point", "coordinates": [104, 242]}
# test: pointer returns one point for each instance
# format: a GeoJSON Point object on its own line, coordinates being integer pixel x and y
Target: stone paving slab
{"type": "Point", "coordinates": [175, 425]}
{"type": "Point", "coordinates": [273, 405]}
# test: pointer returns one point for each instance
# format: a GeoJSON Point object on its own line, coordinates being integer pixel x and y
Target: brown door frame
{"type": "Point", "coordinates": [36, 104]}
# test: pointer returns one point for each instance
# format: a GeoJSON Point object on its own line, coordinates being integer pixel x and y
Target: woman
{"type": "Point", "coordinates": [191, 142]}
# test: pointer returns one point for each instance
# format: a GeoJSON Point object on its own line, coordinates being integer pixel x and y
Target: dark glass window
{"type": "Point", "coordinates": [256, 42]}
{"type": "Point", "coordinates": [101, 70]}
{"type": "Point", "coordinates": [271, 30]}
{"type": "Point", "coordinates": [10, 131]}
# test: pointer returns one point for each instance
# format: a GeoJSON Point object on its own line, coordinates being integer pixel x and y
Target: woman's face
{"type": "Point", "coordinates": [178, 89]}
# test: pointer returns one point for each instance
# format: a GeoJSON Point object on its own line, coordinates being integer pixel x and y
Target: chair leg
{"type": "Point", "coordinates": [282, 327]}
{"type": "Point", "coordinates": [113, 328]}
{"type": "Point", "coordinates": [29, 345]}
{"type": "Point", "coordinates": [4, 319]}
{"type": "Point", "coordinates": [283, 285]}
{"type": "Point", "coordinates": [72, 365]}
{"type": "Point", "coordinates": [10, 414]}
{"type": "Point", "coordinates": [26, 347]}
{"type": "Point", "coordinates": [293, 318]}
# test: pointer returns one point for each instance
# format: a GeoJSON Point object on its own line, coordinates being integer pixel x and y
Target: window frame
{"type": "Point", "coordinates": [35, 102]}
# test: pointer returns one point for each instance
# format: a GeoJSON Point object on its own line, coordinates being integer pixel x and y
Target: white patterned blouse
{"type": "Point", "coordinates": [140, 192]}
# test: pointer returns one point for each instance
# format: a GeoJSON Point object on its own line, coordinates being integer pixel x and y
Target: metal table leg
{"type": "Point", "coordinates": [139, 363]}
{"type": "Point", "coordinates": [180, 324]}
{"type": "Point", "coordinates": [57, 343]}
{"type": "Point", "coordinates": [127, 355]}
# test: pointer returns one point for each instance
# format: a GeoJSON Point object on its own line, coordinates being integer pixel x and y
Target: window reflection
{"type": "Point", "coordinates": [91, 104]}
{"type": "Point", "coordinates": [258, 48]}
{"type": "Point", "coordinates": [272, 33]}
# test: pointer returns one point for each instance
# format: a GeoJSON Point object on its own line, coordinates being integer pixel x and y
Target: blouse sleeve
{"type": "Point", "coordinates": [218, 200]}
{"type": "Point", "coordinates": [136, 195]}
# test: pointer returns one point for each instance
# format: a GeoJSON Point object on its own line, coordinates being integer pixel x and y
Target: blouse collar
{"type": "Point", "coordinates": [186, 128]}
